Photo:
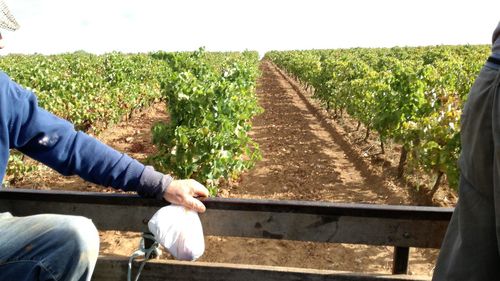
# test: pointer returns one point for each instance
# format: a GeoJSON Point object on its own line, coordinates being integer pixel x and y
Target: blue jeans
{"type": "Point", "coordinates": [47, 247]}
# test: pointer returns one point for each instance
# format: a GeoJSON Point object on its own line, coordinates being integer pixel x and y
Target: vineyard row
{"type": "Point", "coordinates": [210, 98]}
{"type": "Point", "coordinates": [411, 96]}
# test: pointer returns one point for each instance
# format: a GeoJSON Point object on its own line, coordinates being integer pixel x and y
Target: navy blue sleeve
{"type": "Point", "coordinates": [54, 142]}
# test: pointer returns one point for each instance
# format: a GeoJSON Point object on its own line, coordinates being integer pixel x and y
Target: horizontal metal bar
{"type": "Point", "coordinates": [116, 270]}
{"type": "Point", "coordinates": [288, 220]}
{"type": "Point", "coordinates": [276, 206]}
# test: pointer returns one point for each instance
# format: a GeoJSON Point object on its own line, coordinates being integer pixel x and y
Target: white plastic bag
{"type": "Point", "coordinates": [179, 230]}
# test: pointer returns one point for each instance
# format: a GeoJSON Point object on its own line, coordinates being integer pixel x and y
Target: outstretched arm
{"type": "Point", "coordinates": [54, 142]}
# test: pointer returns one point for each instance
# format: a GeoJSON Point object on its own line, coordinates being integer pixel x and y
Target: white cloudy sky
{"type": "Point", "coordinates": [55, 26]}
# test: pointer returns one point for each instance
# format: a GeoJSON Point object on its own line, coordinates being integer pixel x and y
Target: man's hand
{"type": "Point", "coordinates": [183, 192]}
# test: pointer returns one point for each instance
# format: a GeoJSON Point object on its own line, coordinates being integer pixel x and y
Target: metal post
{"type": "Point", "coordinates": [400, 261]}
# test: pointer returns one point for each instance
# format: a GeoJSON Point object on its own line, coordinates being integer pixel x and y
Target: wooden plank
{"type": "Point", "coordinates": [113, 269]}
{"type": "Point", "coordinates": [290, 220]}
{"type": "Point", "coordinates": [400, 260]}
{"type": "Point", "coordinates": [288, 206]}
{"type": "Point", "coordinates": [105, 217]}
{"type": "Point", "coordinates": [325, 228]}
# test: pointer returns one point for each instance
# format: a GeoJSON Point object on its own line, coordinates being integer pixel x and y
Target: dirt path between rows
{"type": "Point", "coordinates": [305, 157]}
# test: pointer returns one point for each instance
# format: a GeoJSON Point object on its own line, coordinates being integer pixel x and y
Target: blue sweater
{"type": "Point", "coordinates": [54, 142]}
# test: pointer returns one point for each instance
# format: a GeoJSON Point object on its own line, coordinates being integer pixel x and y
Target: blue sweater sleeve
{"type": "Point", "coordinates": [54, 142]}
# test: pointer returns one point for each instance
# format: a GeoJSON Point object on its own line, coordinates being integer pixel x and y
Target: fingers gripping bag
{"type": "Point", "coordinates": [179, 230]}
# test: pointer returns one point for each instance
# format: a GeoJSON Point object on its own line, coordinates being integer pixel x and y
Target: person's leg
{"type": "Point", "coordinates": [47, 247]}
{"type": "Point", "coordinates": [470, 249]}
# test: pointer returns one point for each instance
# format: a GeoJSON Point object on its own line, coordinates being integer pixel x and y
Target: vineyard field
{"type": "Point", "coordinates": [305, 155]}
{"type": "Point", "coordinates": [412, 96]}
{"type": "Point", "coordinates": [210, 96]}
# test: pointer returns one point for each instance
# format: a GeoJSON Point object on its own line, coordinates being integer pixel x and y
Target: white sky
{"type": "Point", "coordinates": [97, 26]}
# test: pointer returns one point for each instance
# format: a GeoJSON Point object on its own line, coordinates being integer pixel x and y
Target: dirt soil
{"type": "Point", "coordinates": [307, 155]}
